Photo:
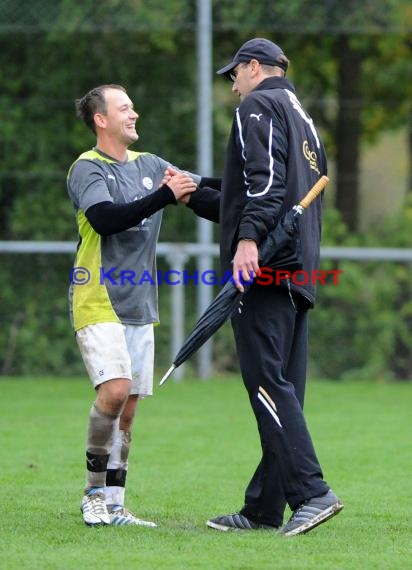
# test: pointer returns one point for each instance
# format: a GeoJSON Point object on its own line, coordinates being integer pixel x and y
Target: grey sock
{"type": "Point", "coordinates": [100, 435]}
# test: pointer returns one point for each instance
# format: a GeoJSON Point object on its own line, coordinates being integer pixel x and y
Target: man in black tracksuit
{"type": "Point", "coordinates": [274, 156]}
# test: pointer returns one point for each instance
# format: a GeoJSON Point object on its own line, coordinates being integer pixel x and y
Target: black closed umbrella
{"type": "Point", "coordinates": [280, 250]}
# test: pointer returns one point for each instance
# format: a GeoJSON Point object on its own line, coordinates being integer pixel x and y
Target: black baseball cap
{"type": "Point", "coordinates": [265, 51]}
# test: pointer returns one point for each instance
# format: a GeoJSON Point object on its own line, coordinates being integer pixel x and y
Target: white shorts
{"type": "Point", "coordinates": [113, 350]}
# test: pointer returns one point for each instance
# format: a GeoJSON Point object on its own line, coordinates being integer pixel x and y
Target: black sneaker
{"type": "Point", "coordinates": [236, 522]}
{"type": "Point", "coordinates": [312, 513]}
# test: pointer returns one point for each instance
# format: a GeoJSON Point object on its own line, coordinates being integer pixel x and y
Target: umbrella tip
{"type": "Point", "coordinates": [166, 376]}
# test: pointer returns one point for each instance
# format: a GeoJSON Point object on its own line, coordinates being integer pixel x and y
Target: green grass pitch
{"type": "Point", "coordinates": [195, 446]}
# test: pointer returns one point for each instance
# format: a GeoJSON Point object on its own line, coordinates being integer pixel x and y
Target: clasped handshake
{"type": "Point", "coordinates": [180, 183]}
{"type": "Point", "coordinates": [246, 259]}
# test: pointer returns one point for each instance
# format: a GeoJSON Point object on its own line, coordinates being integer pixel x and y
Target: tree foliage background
{"type": "Point", "coordinates": [352, 64]}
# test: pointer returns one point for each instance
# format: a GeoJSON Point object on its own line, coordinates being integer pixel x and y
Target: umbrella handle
{"type": "Point", "coordinates": [314, 191]}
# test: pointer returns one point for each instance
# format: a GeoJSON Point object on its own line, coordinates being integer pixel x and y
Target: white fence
{"type": "Point", "coordinates": [177, 255]}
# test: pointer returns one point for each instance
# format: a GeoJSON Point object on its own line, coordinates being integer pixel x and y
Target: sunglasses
{"type": "Point", "coordinates": [234, 73]}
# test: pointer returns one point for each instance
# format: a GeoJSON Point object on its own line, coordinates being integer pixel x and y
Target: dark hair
{"type": "Point", "coordinates": [94, 102]}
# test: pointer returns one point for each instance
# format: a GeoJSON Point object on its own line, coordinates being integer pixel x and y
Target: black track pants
{"type": "Point", "coordinates": [271, 342]}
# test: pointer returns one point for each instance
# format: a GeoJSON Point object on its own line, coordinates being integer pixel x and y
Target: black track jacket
{"type": "Point", "coordinates": [274, 156]}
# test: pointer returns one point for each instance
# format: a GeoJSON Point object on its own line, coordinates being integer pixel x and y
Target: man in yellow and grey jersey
{"type": "Point", "coordinates": [118, 197]}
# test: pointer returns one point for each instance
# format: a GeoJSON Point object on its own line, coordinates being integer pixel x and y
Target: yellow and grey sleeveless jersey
{"type": "Point", "coordinates": [118, 272]}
